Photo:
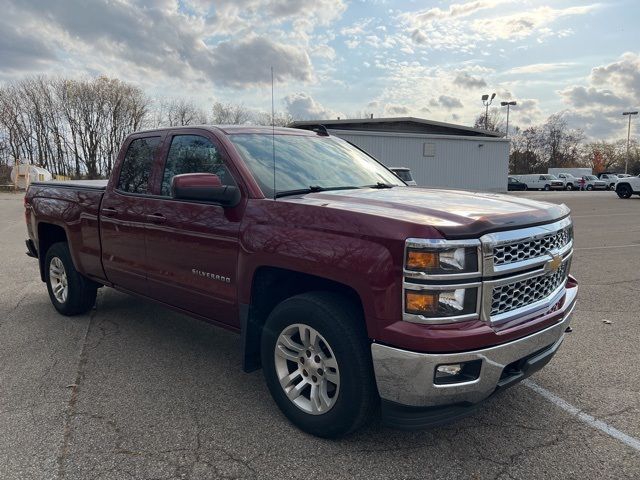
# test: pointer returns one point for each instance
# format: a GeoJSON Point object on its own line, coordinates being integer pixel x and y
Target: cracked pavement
{"type": "Point", "coordinates": [133, 390]}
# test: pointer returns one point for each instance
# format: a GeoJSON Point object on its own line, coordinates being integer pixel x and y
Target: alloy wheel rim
{"type": "Point", "coordinates": [58, 280]}
{"type": "Point", "coordinates": [307, 369]}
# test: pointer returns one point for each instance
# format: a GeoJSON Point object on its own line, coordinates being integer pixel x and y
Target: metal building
{"type": "Point", "coordinates": [438, 154]}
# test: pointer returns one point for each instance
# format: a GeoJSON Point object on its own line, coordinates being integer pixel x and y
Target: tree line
{"type": "Point", "coordinates": [75, 127]}
{"type": "Point", "coordinates": [553, 144]}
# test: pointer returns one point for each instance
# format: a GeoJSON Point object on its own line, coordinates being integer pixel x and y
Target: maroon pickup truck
{"type": "Point", "coordinates": [351, 290]}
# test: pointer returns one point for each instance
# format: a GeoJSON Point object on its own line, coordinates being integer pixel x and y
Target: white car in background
{"type": "Point", "coordinates": [569, 181]}
{"type": "Point", "coordinates": [591, 182]}
{"type": "Point", "coordinates": [404, 174]}
{"type": "Point", "coordinates": [542, 181]}
{"type": "Point", "coordinates": [610, 179]}
{"type": "Point", "coordinates": [627, 186]}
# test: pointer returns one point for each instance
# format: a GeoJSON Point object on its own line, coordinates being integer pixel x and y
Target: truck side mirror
{"type": "Point", "coordinates": [204, 187]}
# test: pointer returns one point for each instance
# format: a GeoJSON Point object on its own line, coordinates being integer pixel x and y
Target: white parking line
{"type": "Point", "coordinates": [608, 246]}
{"type": "Point", "coordinates": [584, 417]}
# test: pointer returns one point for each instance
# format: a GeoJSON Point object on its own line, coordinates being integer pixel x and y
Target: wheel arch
{"type": "Point", "coordinates": [270, 286]}
{"type": "Point", "coordinates": [49, 234]}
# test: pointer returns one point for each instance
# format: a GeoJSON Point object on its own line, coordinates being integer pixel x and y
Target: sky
{"type": "Point", "coordinates": [429, 59]}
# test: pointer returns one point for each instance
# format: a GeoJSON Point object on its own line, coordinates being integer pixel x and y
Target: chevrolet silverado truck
{"type": "Point", "coordinates": [357, 295]}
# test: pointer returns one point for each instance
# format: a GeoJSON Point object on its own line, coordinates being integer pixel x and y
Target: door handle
{"type": "Point", "coordinates": [156, 218]}
{"type": "Point", "coordinates": [109, 212]}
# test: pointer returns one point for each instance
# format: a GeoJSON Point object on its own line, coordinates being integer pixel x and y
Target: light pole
{"type": "Point", "coordinates": [629, 114]}
{"type": "Point", "coordinates": [508, 105]}
{"type": "Point", "coordinates": [486, 101]}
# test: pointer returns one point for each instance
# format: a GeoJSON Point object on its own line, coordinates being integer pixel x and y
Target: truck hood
{"type": "Point", "coordinates": [455, 213]}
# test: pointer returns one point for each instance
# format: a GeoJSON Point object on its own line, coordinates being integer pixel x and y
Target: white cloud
{"type": "Point", "coordinates": [464, 79]}
{"type": "Point", "coordinates": [456, 10]}
{"type": "Point", "coordinates": [539, 68]}
{"type": "Point", "coordinates": [301, 106]}
{"type": "Point", "coordinates": [468, 26]}
{"type": "Point", "coordinates": [246, 63]}
{"type": "Point", "coordinates": [523, 24]}
{"type": "Point", "coordinates": [393, 109]}
{"type": "Point", "coordinates": [597, 106]}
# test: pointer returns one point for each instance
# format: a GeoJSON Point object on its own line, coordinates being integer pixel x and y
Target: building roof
{"type": "Point", "coordinates": [398, 124]}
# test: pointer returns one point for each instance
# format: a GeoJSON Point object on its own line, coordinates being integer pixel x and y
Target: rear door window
{"type": "Point", "coordinates": [193, 154]}
{"type": "Point", "coordinates": [137, 165]}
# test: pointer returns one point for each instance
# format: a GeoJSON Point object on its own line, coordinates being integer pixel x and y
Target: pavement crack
{"type": "Point", "coordinates": [70, 411]}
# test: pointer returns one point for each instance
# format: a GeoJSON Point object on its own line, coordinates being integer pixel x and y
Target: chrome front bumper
{"type": "Point", "coordinates": [407, 378]}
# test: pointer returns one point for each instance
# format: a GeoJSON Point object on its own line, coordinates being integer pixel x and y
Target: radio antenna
{"type": "Point", "coordinates": [273, 136]}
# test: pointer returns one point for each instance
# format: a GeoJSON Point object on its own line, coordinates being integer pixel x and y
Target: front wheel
{"type": "Point", "coordinates": [624, 191]}
{"type": "Point", "coordinates": [317, 364]}
{"type": "Point", "coordinates": [589, 187]}
{"type": "Point", "coordinates": [547, 188]}
{"type": "Point", "coordinates": [69, 291]}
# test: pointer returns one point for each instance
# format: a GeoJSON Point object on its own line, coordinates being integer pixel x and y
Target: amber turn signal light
{"type": "Point", "coordinates": [422, 260]}
{"type": "Point", "coordinates": [420, 303]}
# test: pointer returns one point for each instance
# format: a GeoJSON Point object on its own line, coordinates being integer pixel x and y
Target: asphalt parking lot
{"type": "Point", "coordinates": [136, 391]}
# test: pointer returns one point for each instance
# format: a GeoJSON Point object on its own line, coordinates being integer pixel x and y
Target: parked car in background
{"type": "Point", "coordinates": [623, 175]}
{"type": "Point", "coordinates": [542, 181]}
{"type": "Point", "coordinates": [569, 181]}
{"type": "Point", "coordinates": [591, 182]}
{"type": "Point", "coordinates": [513, 184]}
{"type": "Point", "coordinates": [627, 186]}
{"type": "Point", "coordinates": [404, 174]}
{"type": "Point", "coordinates": [609, 178]}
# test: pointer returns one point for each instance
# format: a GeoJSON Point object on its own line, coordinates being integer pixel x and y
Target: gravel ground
{"type": "Point", "coordinates": [133, 390]}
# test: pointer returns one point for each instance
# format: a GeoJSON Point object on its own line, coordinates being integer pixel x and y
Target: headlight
{"type": "Point", "coordinates": [441, 280]}
{"type": "Point", "coordinates": [442, 261]}
{"type": "Point", "coordinates": [443, 304]}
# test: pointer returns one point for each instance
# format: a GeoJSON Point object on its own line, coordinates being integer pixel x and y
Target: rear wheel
{"type": "Point", "coordinates": [624, 191]}
{"type": "Point", "coordinates": [70, 292]}
{"type": "Point", "coordinates": [317, 364]}
{"type": "Point", "coordinates": [569, 186]}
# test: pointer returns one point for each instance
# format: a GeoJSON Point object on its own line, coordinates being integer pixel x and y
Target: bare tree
{"type": "Point", "coordinates": [230, 114]}
{"type": "Point", "coordinates": [179, 112]}
{"type": "Point", "coordinates": [280, 119]}
{"type": "Point", "coordinates": [68, 126]}
{"type": "Point", "coordinates": [495, 121]}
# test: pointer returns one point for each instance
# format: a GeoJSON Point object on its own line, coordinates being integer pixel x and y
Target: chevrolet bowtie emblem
{"type": "Point", "coordinates": [554, 264]}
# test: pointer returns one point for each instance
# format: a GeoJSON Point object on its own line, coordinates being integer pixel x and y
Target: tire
{"type": "Point", "coordinates": [525, 188]}
{"type": "Point", "coordinates": [344, 351]}
{"type": "Point", "coordinates": [589, 187]}
{"type": "Point", "coordinates": [569, 186]}
{"type": "Point", "coordinates": [70, 292]}
{"type": "Point", "coordinates": [624, 191]}
{"type": "Point", "coordinates": [547, 188]}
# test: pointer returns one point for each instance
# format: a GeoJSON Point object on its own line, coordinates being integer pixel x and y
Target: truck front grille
{"type": "Point", "coordinates": [512, 296]}
{"type": "Point", "coordinates": [528, 249]}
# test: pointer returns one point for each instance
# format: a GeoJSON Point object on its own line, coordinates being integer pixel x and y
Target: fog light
{"type": "Point", "coordinates": [457, 372]}
{"type": "Point", "coordinates": [444, 370]}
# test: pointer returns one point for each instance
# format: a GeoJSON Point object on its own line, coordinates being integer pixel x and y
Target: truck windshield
{"type": "Point", "coordinates": [307, 163]}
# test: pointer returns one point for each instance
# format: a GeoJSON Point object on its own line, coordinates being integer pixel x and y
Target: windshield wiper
{"type": "Point", "coordinates": [381, 185]}
{"type": "Point", "coordinates": [312, 189]}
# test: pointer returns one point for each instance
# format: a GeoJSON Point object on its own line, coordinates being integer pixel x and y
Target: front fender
{"type": "Point", "coordinates": [364, 265]}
